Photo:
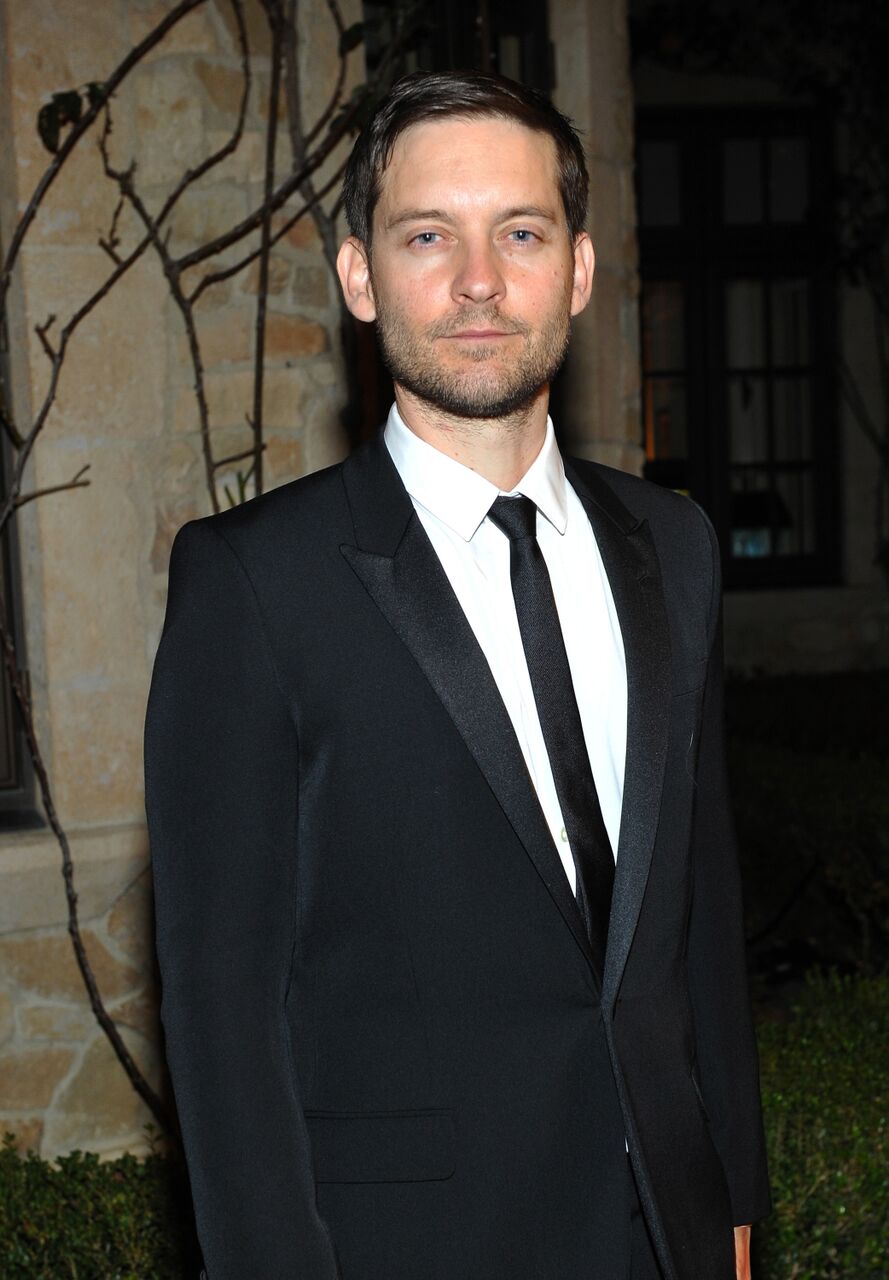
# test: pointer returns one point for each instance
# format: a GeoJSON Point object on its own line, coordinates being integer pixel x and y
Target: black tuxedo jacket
{"type": "Point", "coordinates": [392, 1053]}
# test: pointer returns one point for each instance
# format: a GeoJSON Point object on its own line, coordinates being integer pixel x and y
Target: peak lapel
{"type": "Point", "coordinates": [631, 563]}
{"type": "Point", "coordinates": [395, 561]}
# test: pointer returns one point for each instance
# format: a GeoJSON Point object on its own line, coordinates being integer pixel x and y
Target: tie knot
{"type": "Point", "coordinates": [517, 517]}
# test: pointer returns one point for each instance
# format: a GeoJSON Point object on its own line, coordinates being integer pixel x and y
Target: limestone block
{"type": "Point", "coordinates": [31, 889]}
{"type": "Point", "coordinates": [56, 1022]}
{"type": "Point", "coordinates": [279, 275]}
{"type": "Point", "coordinates": [27, 1131]}
{"type": "Point", "coordinates": [303, 234]}
{"type": "Point", "coordinates": [195, 33]}
{"type": "Point", "coordinates": [141, 1013]}
{"type": "Point", "coordinates": [169, 519]}
{"type": "Point", "coordinates": [290, 337]}
{"type": "Point", "coordinates": [7, 1018]}
{"type": "Point", "coordinates": [230, 400]}
{"type": "Point", "coordinates": [92, 540]}
{"type": "Point", "coordinates": [285, 394]}
{"type": "Point", "coordinates": [205, 211]}
{"type": "Point", "coordinates": [131, 923]}
{"type": "Point", "coordinates": [43, 61]}
{"type": "Point", "coordinates": [79, 206]}
{"type": "Point", "coordinates": [30, 1077]}
{"type": "Point", "coordinates": [98, 750]}
{"type": "Point", "coordinates": [325, 441]}
{"type": "Point", "coordinates": [213, 297]}
{"type": "Point", "coordinates": [608, 230]}
{"type": "Point", "coordinates": [224, 338]}
{"type": "Point", "coordinates": [168, 113]}
{"type": "Point", "coordinates": [246, 163]}
{"type": "Point", "coordinates": [283, 459]}
{"type": "Point", "coordinates": [311, 286]}
{"type": "Point", "coordinates": [258, 38]}
{"type": "Point", "coordinates": [223, 84]}
{"type": "Point", "coordinates": [112, 380]}
{"type": "Point", "coordinates": [44, 966]}
{"type": "Point", "coordinates": [98, 1106]}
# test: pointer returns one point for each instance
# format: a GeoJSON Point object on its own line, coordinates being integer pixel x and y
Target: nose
{"type": "Point", "coordinates": [479, 277]}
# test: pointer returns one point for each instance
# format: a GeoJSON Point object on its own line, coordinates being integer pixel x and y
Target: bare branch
{"type": "Point", "coordinates": [278, 197]}
{"type": "Point", "coordinates": [224, 273]}
{"type": "Point", "coordinates": [133, 58]}
{"type": "Point", "coordinates": [237, 457]}
{"type": "Point", "coordinates": [337, 94]}
{"type": "Point", "coordinates": [42, 330]}
{"type": "Point", "coordinates": [75, 483]}
{"type": "Point", "coordinates": [275, 17]}
{"type": "Point", "coordinates": [23, 703]}
{"type": "Point", "coordinates": [298, 142]}
{"type": "Point", "coordinates": [8, 425]}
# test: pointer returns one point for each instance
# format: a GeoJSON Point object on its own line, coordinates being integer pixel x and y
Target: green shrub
{"type": "Point", "coordinates": [825, 1077]}
{"type": "Point", "coordinates": [124, 1219]}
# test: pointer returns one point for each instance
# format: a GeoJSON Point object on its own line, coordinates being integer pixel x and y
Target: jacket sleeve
{"type": "Point", "coordinates": [727, 1064]}
{"type": "Point", "coordinates": [221, 797]}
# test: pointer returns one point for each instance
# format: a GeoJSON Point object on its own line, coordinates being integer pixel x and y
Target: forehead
{"type": "Point", "coordinates": [462, 163]}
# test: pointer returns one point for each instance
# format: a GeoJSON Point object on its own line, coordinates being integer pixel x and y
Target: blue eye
{"type": "Point", "coordinates": [522, 235]}
{"type": "Point", "coordinates": [426, 238]}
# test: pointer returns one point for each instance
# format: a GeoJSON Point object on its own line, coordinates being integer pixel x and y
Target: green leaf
{"type": "Point", "coordinates": [49, 126]}
{"type": "Point", "coordinates": [70, 106]}
{"type": "Point", "coordinates": [351, 38]}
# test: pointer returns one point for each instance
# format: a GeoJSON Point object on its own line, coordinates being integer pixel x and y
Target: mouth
{"type": "Point", "coordinates": [481, 335]}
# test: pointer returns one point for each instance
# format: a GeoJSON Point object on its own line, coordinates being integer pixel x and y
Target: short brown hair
{"type": "Point", "coordinates": [423, 96]}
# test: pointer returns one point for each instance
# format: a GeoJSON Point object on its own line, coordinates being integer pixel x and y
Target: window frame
{"type": "Point", "coordinates": [703, 254]}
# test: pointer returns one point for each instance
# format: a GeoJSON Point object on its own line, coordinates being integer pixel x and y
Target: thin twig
{"type": "Point", "coordinates": [132, 59]}
{"type": "Point", "coordinates": [275, 17]}
{"type": "Point", "coordinates": [236, 457]}
{"type": "Point", "coordinates": [75, 483]}
{"type": "Point", "coordinates": [135, 1076]}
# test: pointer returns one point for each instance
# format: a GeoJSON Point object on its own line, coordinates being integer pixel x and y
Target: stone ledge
{"type": "Point", "coordinates": [32, 896]}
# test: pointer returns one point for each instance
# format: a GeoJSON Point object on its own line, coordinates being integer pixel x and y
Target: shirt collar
{"type": "Point", "coordinates": [460, 497]}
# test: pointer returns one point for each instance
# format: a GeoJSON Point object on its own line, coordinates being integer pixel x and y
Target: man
{"type": "Point", "coordinates": [406, 714]}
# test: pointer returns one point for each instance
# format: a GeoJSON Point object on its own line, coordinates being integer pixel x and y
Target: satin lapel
{"type": "Point", "coordinates": [631, 562]}
{"type": "Point", "coordinates": [412, 591]}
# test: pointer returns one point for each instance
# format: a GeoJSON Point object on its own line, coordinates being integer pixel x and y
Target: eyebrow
{"type": "Point", "coordinates": [440, 215]}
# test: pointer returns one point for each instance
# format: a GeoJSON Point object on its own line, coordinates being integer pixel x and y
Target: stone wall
{"type": "Point", "coordinates": [598, 399]}
{"type": "Point", "coordinates": [94, 560]}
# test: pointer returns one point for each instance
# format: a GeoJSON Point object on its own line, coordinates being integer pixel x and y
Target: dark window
{"type": "Point", "coordinates": [738, 339]}
{"type": "Point", "coordinates": [16, 775]}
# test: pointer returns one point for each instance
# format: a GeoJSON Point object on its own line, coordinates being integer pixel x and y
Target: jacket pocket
{"type": "Point", "coordinates": [382, 1146]}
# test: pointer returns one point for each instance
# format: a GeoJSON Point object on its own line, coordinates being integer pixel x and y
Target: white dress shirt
{"type": "Point", "coordinates": [452, 502]}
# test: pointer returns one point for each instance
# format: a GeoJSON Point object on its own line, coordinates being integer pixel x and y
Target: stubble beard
{"type": "Point", "coordinates": [493, 384]}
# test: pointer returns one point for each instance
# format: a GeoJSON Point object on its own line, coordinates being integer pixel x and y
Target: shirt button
{"type": "Point", "coordinates": [563, 836]}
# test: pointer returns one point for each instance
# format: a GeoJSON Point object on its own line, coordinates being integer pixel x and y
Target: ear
{"type": "Point", "coordinates": [353, 269]}
{"type": "Point", "coordinates": [584, 266]}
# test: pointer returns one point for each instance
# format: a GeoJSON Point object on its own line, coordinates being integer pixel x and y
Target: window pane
{"type": "Point", "coordinates": [742, 181]}
{"type": "Point", "coordinates": [795, 523]}
{"type": "Point", "coordinates": [790, 322]}
{"type": "Point", "coordinates": [666, 428]}
{"type": "Point", "coordinates": [792, 419]}
{"type": "Point", "coordinates": [747, 420]}
{"type": "Point", "coordinates": [744, 324]}
{"type": "Point", "coordinates": [750, 513]}
{"type": "Point", "coordinates": [788, 179]}
{"type": "Point", "coordinates": [663, 326]}
{"type": "Point", "coordinates": [659, 188]}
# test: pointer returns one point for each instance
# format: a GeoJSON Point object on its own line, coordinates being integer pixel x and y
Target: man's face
{"type": "Point", "coordinates": [473, 276]}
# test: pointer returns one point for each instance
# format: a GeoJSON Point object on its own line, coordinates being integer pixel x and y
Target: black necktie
{"type": "Point", "coordinates": [559, 717]}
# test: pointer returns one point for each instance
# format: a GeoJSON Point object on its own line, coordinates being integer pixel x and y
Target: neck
{"type": "Point", "coordinates": [500, 449]}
